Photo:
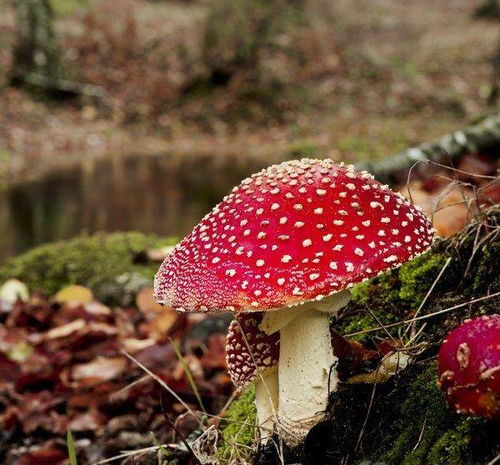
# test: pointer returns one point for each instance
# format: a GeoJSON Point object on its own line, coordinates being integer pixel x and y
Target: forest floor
{"type": "Point", "coordinates": [367, 82]}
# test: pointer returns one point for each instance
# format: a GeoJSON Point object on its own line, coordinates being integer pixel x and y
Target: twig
{"type": "Point", "coordinates": [179, 434]}
{"type": "Point", "coordinates": [163, 384]}
{"type": "Point", "coordinates": [360, 436]}
{"type": "Point", "coordinates": [421, 435]}
{"type": "Point", "coordinates": [412, 324]}
{"type": "Point", "coordinates": [382, 325]}
{"type": "Point", "coordinates": [188, 374]}
{"type": "Point", "coordinates": [135, 452]}
{"type": "Point", "coordinates": [495, 460]}
{"type": "Point", "coordinates": [128, 386]}
{"type": "Point", "coordinates": [423, 317]}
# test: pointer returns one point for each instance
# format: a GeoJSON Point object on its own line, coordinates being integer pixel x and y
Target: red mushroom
{"type": "Point", "coordinates": [295, 234]}
{"type": "Point", "coordinates": [252, 357]}
{"type": "Point", "coordinates": [469, 367]}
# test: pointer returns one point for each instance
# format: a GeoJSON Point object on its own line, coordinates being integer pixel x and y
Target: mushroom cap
{"type": "Point", "coordinates": [469, 367]}
{"type": "Point", "coordinates": [292, 233]}
{"type": "Point", "coordinates": [251, 354]}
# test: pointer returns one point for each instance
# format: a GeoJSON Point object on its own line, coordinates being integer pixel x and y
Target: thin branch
{"type": "Point", "coordinates": [163, 384]}
{"type": "Point", "coordinates": [412, 324]}
{"type": "Point", "coordinates": [423, 317]}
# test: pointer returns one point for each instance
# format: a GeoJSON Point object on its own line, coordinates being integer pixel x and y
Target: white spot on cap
{"type": "Point", "coordinates": [306, 242]}
{"type": "Point", "coordinates": [286, 258]}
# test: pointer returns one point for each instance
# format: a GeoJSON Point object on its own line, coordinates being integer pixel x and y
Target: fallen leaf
{"type": "Point", "coordinates": [11, 291]}
{"type": "Point", "coordinates": [74, 294]}
{"type": "Point", "coordinates": [100, 369]}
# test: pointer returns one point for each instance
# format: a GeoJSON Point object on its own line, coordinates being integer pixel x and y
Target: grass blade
{"type": "Point", "coordinates": [71, 449]}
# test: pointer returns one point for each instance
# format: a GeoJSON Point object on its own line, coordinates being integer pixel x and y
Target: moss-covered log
{"type": "Point", "coordinates": [112, 265]}
{"type": "Point", "coordinates": [406, 420]}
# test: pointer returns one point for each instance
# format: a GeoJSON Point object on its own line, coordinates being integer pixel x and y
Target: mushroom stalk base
{"type": "Point", "coordinates": [266, 402]}
{"type": "Point", "coordinates": [306, 358]}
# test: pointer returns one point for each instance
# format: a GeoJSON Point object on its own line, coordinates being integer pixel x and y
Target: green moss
{"type": "Point", "coordinates": [101, 262]}
{"type": "Point", "coordinates": [374, 301]}
{"type": "Point", "coordinates": [237, 429]}
{"type": "Point", "coordinates": [418, 276]}
{"type": "Point", "coordinates": [484, 279]}
{"type": "Point", "coordinates": [420, 418]}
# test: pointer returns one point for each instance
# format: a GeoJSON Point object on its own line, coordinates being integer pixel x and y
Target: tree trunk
{"type": "Point", "coordinates": [36, 51]}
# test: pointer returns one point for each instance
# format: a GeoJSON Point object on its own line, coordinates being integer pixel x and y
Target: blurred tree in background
{"type": "Point", "coordinates": [36, 53]}
{"type": "Point", "coordinates": [238, 31]}
{"type": "Point", "coordinates": [488, 9]}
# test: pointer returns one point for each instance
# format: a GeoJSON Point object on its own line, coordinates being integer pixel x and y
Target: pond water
{"type": "Point", "coordinates": [149, 193]}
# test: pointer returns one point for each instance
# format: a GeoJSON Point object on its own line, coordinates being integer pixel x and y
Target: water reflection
{"type": "Point", "coordinates": [159, 194]}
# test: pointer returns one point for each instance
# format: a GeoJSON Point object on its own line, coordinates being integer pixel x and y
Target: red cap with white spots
{"type": "Point", "coordinates": [292, 233]}
{"type": "Point", "coordinates": [469, 367]}
{"type": "Point", "coordinates": [251, 351]}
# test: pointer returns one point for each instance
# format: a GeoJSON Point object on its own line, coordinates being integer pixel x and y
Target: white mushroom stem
{"type": "Point", "coordinates": [306, 364]}
{"type": "Point", "coordinates": [266, 402]}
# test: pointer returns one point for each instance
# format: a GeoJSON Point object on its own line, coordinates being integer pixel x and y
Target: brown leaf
{"type": "Point", "coordinates": [146, 303]}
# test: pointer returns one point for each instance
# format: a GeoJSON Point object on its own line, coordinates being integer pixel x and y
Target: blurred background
{"type": "Point", "coordinates": [141, 114]}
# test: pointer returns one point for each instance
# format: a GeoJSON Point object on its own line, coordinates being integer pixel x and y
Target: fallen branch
{"type": "Point", "coordinates": [481, 137]}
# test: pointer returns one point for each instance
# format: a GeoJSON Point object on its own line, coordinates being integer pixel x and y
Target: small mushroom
{"type": "Point", "coordinates": [289, 241]}
{"type": "Point", "coordinates": [252, 357]}
{"type": "Point", "coordinates": [469, 367]}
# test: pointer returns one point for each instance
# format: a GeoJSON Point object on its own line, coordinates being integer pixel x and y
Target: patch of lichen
{"type": "Point", "coordinates": [237, 432]}
{"type": "Point", "coordinates": [102, 262]}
